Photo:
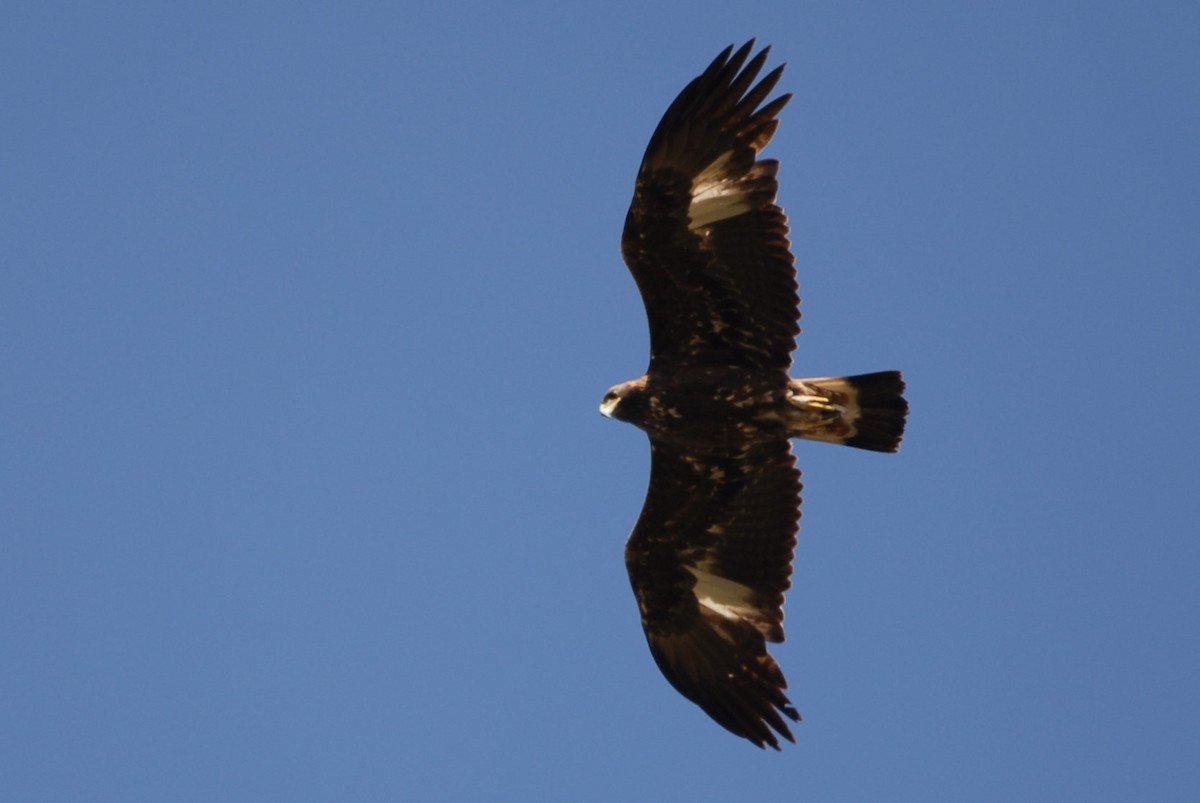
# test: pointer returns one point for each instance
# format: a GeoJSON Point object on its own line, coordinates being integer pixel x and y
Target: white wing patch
{"type": "Point", "coordinates": [726, 598]}
{"type": "Point", "coordinates": [716, 195]}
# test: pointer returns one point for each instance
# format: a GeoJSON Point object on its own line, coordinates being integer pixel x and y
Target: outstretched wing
{"type": "Point", "coordinates": [704, 239]}
{"type": "Point", "coordinates": [709, 561]}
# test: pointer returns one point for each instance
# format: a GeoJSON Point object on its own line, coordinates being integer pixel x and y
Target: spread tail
{"type": "Point", "coordinates": [868, 410]}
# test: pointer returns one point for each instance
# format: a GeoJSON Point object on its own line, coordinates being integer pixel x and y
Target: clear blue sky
{"type": "Point", "coordinates": [305, 313]}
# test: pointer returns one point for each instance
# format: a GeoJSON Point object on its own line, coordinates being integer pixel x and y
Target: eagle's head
{"type": "Point", "coordinates": [627, 401]}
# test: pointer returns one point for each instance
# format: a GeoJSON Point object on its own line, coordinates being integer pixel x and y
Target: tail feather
{"type": "Point", "coordinates": [874, 409]}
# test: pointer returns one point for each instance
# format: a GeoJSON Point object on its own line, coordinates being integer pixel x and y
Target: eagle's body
{"type": "Point", "coordinates": [720, 406]}
{"type": "Point", "coordinates": [710, 556]}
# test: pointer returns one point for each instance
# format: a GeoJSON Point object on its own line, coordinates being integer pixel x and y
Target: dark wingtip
{"type": "Point", "coordinates": [724, 668]}
{"type": "Point", "coordinates": [717, 110]}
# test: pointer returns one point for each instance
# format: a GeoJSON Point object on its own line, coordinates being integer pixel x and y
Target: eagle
{"type": "Point", "coordinates": [710, 556]}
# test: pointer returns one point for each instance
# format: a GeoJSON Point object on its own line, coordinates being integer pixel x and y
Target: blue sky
{"type": "Point", "coordinates": [307, 311]}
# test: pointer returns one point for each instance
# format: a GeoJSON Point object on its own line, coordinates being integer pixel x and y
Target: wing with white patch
{"type": "Point", "coordinates": [709, 561]}
{"type": "Point", "coordinates": [704, 239]}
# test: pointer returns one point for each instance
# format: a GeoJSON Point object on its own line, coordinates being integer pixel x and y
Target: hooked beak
{"type": "Point", "coordinates": [609, 405]}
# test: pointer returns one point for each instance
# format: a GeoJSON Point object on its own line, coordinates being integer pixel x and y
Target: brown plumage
{"type": "Point", "coordinates": [710, 556]}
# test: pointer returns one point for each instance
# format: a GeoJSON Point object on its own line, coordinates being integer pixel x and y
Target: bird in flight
{"type": "Point", "coordinates": [710, 556]}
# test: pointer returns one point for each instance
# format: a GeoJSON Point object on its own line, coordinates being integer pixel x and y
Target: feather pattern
{"type": "Point", "coordinates": [709, 562]}
{"type": "Point", "coordinates": [703, 238]}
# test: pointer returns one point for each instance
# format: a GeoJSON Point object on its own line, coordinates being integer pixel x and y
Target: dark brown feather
{"type": "Point", "coordinates": [728, 518]}
{"type": "Point", "coordinates": [722, 293]}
